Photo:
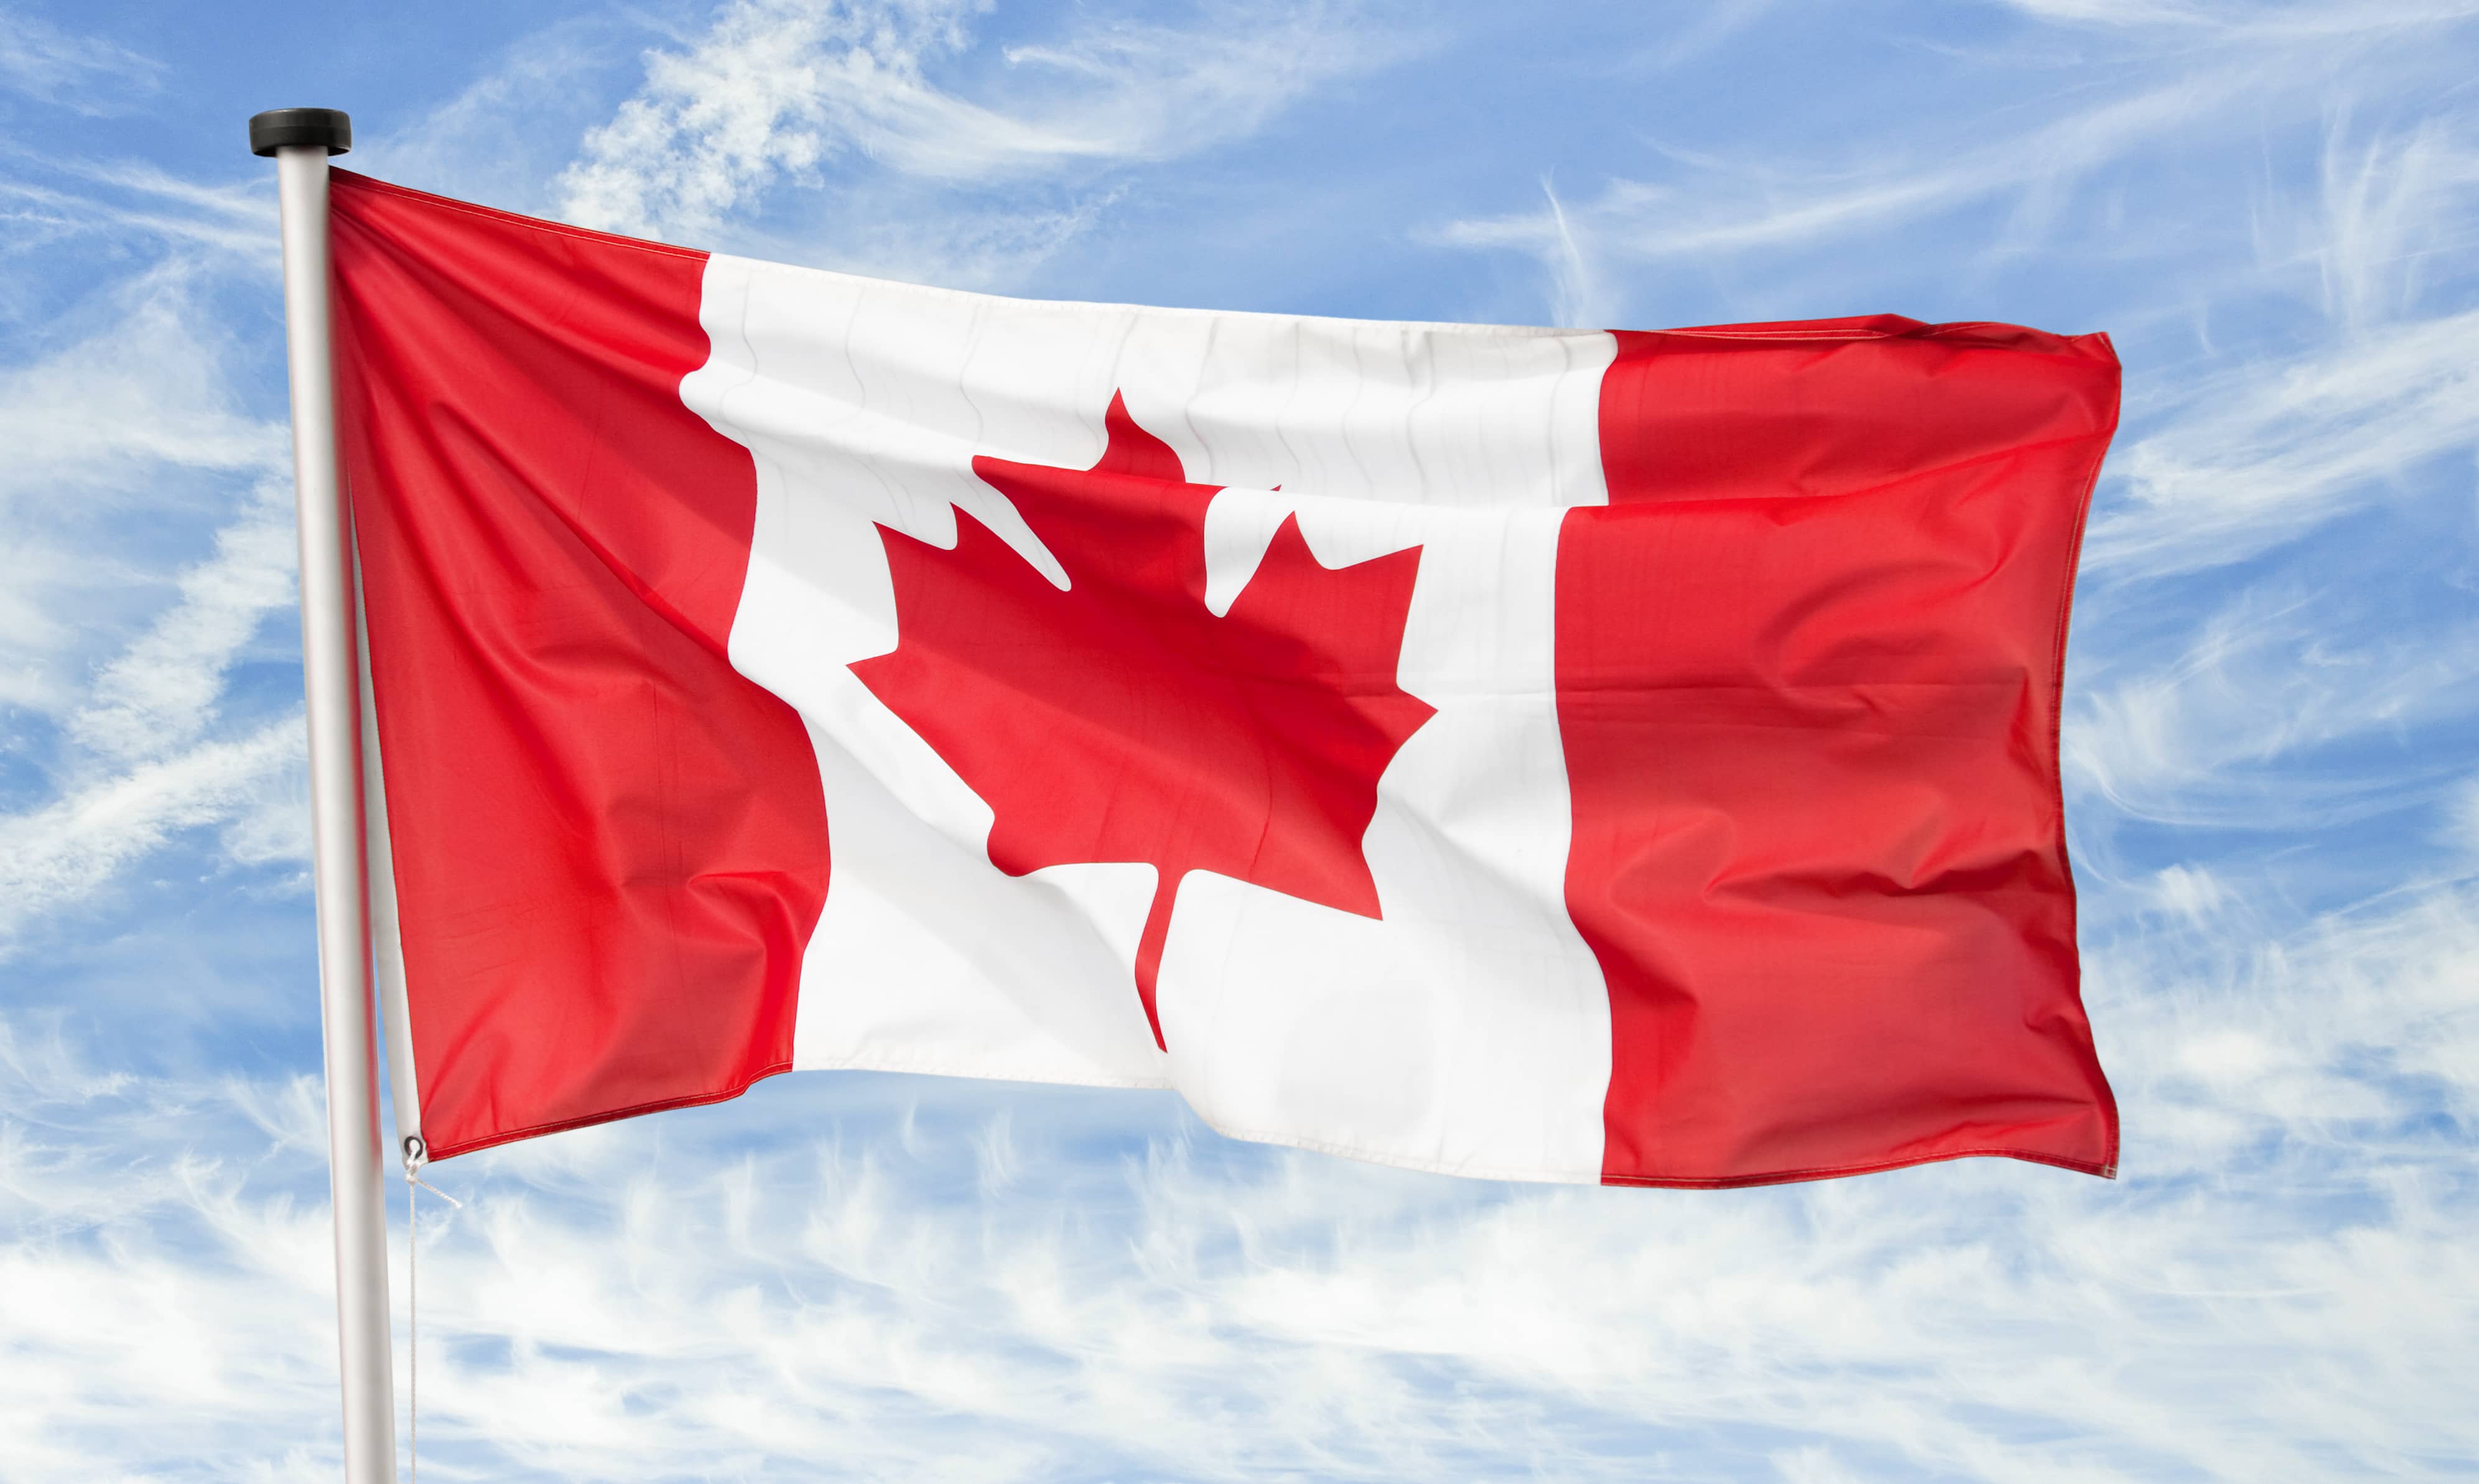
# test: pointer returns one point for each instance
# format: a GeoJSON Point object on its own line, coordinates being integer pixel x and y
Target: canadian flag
{"type": "Point", "coordinates": [1530, 753]}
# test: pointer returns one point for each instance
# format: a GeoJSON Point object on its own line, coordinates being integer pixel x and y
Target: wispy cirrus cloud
{"type": "Point", "coordinates": [127, 410]}
{"type": "Point", "coordinates": [126, 438]}
{"type": "Point", "coordinates": [2394, 208]}
{"type": "Point", "coordinates": [2266, 450]}
{"type": "Point", "coordinates": [2214, 734]}
{"type": "Point", "coordinates": [1720, 207]}
{"type": "Point", "coordinates": [2021, 157]}
{"type": "Point", "coordinates": [88, 73]}
{"type": "Point", "coordinates": [63, 849]}
{"type": "Point", "coordinates": [2227, 20]}
{"type": "Point", "coordinates": [502, 135]}
{"type": "Point", "coordinates": [148, 386]}
{"type": "Point", "coordinates": [776, 89]}
{"type": "Point", "coordinates": [2254, 453]}
{"type": "Point", "coordinates": [159, 694]}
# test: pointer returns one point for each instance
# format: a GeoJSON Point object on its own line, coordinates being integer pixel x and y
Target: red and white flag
{"type": "Point", "coordinates": [1535, 754]}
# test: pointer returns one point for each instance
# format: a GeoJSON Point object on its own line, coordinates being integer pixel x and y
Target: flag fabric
{"type": "Point", "coordinates": [1529, 753]}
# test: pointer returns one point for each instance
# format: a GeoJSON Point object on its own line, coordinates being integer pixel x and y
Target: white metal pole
{"type": "Point", "coordinates": [300, 141]}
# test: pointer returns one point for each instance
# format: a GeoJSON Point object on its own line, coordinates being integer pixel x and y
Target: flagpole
{"type": "Point", "coordinates": [301, 140]}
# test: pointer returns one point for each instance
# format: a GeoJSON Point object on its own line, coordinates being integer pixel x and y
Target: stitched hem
{"type": "Point", "coordinates": [1530, 1175]}
{"type": "Point", "coordinates": [2105, 1171]}
{"type": "Point", "coordinates": [440, 1152]}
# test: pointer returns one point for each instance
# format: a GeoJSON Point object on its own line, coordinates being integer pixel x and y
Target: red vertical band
{"type": "Point", "coordinates": [1808, 663]}
{"type": "Point", "coordinates": [610, 847]}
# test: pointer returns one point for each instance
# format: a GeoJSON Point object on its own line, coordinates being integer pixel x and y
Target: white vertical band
{"type": "Point", "coordinates": [331, 680]}
{"type": "Point", "coordinates": [1467, 1027]}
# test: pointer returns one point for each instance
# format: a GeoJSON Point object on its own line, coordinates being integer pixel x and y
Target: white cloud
{"type": "Point", "coordinates": [160, 693]}
{"type": "Point", "coordinates": [118, 437]}
{"type": "Point", "coordinates": [29, 630]}
{"type": "Point", "coordinates": [2194, 739]}
{"type": "Point", "coordinates": [48, 1070]}
{"type": "Point", "coordinates": [269, 823]}
{"type": "Point", "coordinates": [2353, 1039]}
{"type": "Point", "coordinates": [2225, 20]}
{"type": "Point", "coordinates": [775, 87]}
{"type": "Point", "coordinates": [1577, 296]}
{"type": "Point", "coordinates": [2111, 13]}
{"type": "Point", "coordinates": [115, 437]}
{"type": "Point", "coordinates": [2267, 450]}
{"type": "Point", "coordinates": [63, 850]}
{"type": "Point", "coordinates": [2198, 76]}
{"type": "Point", "coordinates": [2390, 206]}
{"type": "Point", "coordinates": [2462, 817]}
{"type": "Point", "coordinates": [978, 247]}
{"type": "Point", "coordinates": [779, 88]}
{"type": "Point", "coordinates": [153, 386]}
{"type": "Point", "coordinates": [167, 1282]}
{"type": "Point", "coordinates": [2192, 892]}
{"type": "Point", "coordinates": [117, 200]}
{"type": "Point", "coordinates": [1732, 206]}
{"type": "Point", "coordinates": [88, 73]}
{"type": "Point", "coordinates": [1709, 27]}
{"type": "Point", "coordinates": [504, 135]}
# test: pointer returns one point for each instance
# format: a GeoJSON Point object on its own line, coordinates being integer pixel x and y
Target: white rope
{"type": "Point", "coordinates": [412, 1323]}
{"type": "Point", "coordinates": [416, 1155]}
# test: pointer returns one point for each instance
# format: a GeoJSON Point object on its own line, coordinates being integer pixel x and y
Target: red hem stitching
{"type": "Point", "coordinates": [2105, 1171]}
{"type": "Point", "coordinates": [536, 1131]}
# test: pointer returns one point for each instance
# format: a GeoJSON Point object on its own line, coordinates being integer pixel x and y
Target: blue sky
{"type": "Point", "coordinates": [2272, 706]}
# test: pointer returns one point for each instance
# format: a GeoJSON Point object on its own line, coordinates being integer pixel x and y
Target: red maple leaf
{"type": "Point", "coordinates": [1120, 720]}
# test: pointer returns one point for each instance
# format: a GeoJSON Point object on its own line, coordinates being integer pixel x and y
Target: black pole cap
{"type": "Point", "coordinates": [277, 127]}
